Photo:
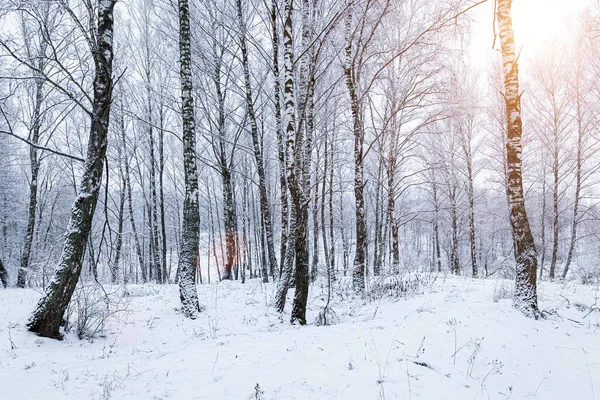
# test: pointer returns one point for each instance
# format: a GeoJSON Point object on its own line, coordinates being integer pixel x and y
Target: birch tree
{"type": "Point", "coordinates": [48, 315]}
{"type": "Point", "coordinates": [525, 297]}
{"type": "Point", "coordinates": [189, 253]}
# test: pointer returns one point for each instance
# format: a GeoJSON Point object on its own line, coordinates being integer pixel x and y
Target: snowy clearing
{"type": "Point", "coordinates": [452, 341]}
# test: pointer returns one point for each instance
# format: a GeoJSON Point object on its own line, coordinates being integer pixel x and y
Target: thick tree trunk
{"type": "Point", "coordinates": [190, 232]}
{"type": "Point", "coordinates": [303, 161]}
{"type": "Point", "coordinates": [302, 260]}
{"type": "Point", "coordinates": [525, 297]}
{"type": "Point", "coordinates": [229, 214]}
{"type": "Point", "coordinates": [48, 315]}
{"type": "Point", "coordinates": [3, 275]}
{"type": "Point", "coordinates": [296, 247]}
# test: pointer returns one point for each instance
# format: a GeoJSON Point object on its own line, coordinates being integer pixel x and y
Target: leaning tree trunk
{"type": "Point", "coordinates": [358, 271]}
{"type": "Point", "coordinates": [48, 315]}
{"type": "Point", "coordinates": [33, 185]}
{"type": "Point", "coordinates": [190, 232]}
{"type": "Point", "coordinates": [257, 146]}
{"type": "Point", "coordinates": [578, 167]}
{"type": "Point", "coordinates": [525, 298]}
{"type": "Point", "coordinates": [280, 139]}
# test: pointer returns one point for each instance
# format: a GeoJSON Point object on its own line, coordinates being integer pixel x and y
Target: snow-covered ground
{"type": "Point", "coordinates": [450, 341]}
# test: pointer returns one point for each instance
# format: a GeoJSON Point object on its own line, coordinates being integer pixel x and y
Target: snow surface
{"type": "Point", "coordinates": [389, 348]}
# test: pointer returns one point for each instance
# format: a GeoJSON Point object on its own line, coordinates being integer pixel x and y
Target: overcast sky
{"type": "Point", "coordinates": [537, 24]}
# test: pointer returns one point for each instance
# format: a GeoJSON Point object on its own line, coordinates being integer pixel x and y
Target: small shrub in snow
{"type": "Point", "coordinates": [476, 349]}
{"type": "Point", "coordinates": [496, 369]}
{"type": "Point", "coordinates": [343, 287]}
{"type": "Point", "coordinates": [401, 285]}
{"type": "Point", "coordinates": [91, 306]}
{"type": "Point", "coordinates": [258, 393]}
{"type": "Point", "coordinates": [590, 277]}
{"type": "Point", "coordinates": [453, 324]}
{"type": "Point", "coordinates": [326, 317]}
{"type": "Point", "coordinates": [503, 290]}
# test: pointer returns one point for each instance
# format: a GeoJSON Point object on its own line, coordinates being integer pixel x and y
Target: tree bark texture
{"type": "Point", "coordinates": [48, 315]}
{"type": "Point", "coordinates": [190, 231]}
{"type": "Point", "coordinates": [525, 297]}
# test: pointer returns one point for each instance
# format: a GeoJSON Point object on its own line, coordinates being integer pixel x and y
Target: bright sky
{"type": "Point", "coordinates": [537, 23]}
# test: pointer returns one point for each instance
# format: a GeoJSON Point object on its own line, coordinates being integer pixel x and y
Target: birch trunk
{"type": "Point", "coordinates": [471, 194]}
{"type": "Point", "coordinates": [454, 256]}
{"type": "Point", "coordinates": [48, 315]}
{"type": "Point", "coordinates": [555, 227]}
{"type": "Point", "coordinates": [33, 184]}
{"type": "Point", "coordinates": [578, 168]}
{"type": "Point", "coordinates": [436, 229]}
{"type": "Point", "coordinates": [114, 268]}
{"type": "Point", "coordinates": [331, 219]}
{"type": "Point", "coordinates": [280, 138]}
{"type": "Point", "coordinates": [296, 246]}
{"type": "Point", "coordinates": [188, 257]}
{"type": "Point", "coordinates": [543, 223]}
{"type": "Point", "coordinates": [153, 211]}
{"type": "Point", "coordinates": [525, 297]}
{"type": "Point", "coordinates": [358, 270]}
{"type": "Point", "coordinates": [161, 170]}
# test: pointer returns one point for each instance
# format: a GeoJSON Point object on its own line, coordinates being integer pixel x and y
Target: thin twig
{"type": "Point", "coordinates": [37, 146]}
